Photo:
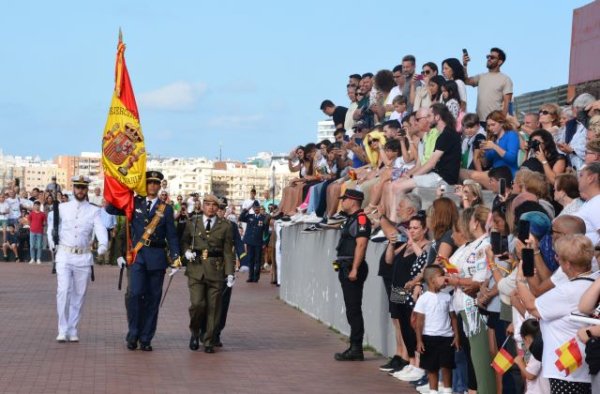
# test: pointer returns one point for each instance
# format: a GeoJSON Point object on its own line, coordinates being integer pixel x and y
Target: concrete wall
{"type": "Point", "coordinates": [309, 283]}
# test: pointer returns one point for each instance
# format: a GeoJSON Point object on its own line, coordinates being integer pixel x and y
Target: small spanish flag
{"type": "Point", "coordinates": [447, 265]}
{"type": "Point", "coordinates": [569, 357]}
{"type": "Point", "coordinates": [503, 361]}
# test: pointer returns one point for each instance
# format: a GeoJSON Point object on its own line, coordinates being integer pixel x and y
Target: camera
{"type": "Point", "coordinates": [534, 145]}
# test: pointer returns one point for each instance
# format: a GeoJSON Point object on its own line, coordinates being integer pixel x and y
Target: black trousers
{"type": "Point", "coordinates": [225, 300]}
{"type": "Point", "coordinates": [353, 292]}
{"type": "Point", "coordinates": [254, 261]}
{"type": "Point", "coordinates": [408, 333]}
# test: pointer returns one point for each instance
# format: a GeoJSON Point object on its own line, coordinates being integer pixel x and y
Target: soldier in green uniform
{"type": "Point", "coordinates": [208, 243]}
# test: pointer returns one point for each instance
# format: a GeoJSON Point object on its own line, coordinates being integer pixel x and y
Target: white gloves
{"type": "Point", "coordinates": [230, 280]}
{"type": "Point", "coordinates": [121, 262]}
{"type": "Point", "coordinates": [189, 255]}
{"type": "Point", "coordinates": [51, 243]}
{"type": "Point", "coordinates": [102, 249]}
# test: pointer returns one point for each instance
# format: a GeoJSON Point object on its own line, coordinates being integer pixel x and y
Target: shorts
{"type": "Point", "coordinates": [439, 353]}
{"type": "Point", "coordinates": [428, 180]}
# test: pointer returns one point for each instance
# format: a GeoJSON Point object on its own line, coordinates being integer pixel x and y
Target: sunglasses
{"type": "Point", "coordinates": [426, 72]}
{"type": "Point", "coordinates": [491, 57]}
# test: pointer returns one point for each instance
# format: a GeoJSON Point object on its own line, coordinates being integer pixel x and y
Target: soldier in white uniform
{"type": "Point", "coordinates": [79, 222]}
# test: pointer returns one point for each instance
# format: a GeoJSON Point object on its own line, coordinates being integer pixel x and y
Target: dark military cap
{"type": "Point", "coordinates": [353, 195]}
{"type": "Point", "coordinates": [255, 204]}
{"type": "Point", "coordinates": [155, 176]}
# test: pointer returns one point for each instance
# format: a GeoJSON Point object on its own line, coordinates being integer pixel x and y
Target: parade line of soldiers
{"type": "Point", "coordinates": [208, 242]}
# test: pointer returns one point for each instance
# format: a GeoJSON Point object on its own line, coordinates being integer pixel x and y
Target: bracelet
{"type": "Point", "coordinates": [538, 252]}
{"type": "Point", "coordinates": [522, 280]}
{"type": "Point", "coordinates": [545, 162]}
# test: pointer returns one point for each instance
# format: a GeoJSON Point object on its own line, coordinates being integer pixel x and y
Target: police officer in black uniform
{"type": "Point", "coordinates": [353, 270]}
{"type": "Point", "coordinates": [256, 227]}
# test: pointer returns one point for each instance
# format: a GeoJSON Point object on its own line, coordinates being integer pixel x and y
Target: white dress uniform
{"type": "Point", "coordinates": [79, 222]}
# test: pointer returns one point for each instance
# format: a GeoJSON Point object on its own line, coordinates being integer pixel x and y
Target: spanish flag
{"type": "Point", "coordinates": [123, 149]}
{"type": "Point", "coordinates": [503, 361]}
{"type": "Point", "coordinates": [569, 357]}
{"type": "Point", "coordinates": [447, 265]}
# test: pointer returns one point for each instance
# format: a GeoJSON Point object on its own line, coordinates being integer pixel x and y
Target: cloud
{"type": "Point", "coordinates": [177, 96]}
{"type": "Point", "coordinates": [236, 121]}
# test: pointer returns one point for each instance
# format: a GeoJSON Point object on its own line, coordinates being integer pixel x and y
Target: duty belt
{"type": "Point", "coordinates": [205, 253]}
{"type": "Point", "coordinates": [74, 250]}
{"type": "Point", "coordinates": [155, 244]}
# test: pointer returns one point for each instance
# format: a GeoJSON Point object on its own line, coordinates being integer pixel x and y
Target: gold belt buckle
{"type": "Point", "coordinates": [205, 254]}
{"type": "Point", "coordinates": [147, 242]}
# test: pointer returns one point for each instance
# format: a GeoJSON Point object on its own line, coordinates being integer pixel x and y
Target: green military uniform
{"type": "Point", "coordinates": [207, 272]}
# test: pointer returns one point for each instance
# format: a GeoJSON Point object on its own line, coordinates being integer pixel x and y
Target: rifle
{"type": "Point", "coordinates": [55, 223]}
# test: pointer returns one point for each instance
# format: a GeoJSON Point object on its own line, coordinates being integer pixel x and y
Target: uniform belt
{"type": "Point", "coordinates": [214, 253]}
{"type": "Point", "coordinates": [155, 244]}
{"type": "Point", "coordinates": [74, 250]}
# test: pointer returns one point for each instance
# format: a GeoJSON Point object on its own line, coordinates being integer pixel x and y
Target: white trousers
{"type": "Point", "coordinates": [70, 293]}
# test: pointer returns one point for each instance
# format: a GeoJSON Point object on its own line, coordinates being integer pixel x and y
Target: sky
{"type": "Point", "coordinates": [246, 76]}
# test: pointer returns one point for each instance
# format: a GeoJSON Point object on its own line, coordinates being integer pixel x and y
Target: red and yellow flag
{"type": "Point", "coordinates": [447, 265]}
{"type": "Point", "coordinates": [503, 361]}
{"type": "Point", "coordinates": [123, 148]}
{"type": "Point", "coordinates": [569, 357]}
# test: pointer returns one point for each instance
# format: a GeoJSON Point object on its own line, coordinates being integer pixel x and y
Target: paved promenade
{"type": "Point", "coordinates": [269, 346]}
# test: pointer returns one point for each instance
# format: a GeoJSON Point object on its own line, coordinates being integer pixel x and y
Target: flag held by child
{"type": "Point", "coordinates": [503, 361]}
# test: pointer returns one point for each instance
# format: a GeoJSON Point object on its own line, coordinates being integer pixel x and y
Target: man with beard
{"type": "Point", "coordinates": [494, 89]}
{"type": "Point", "coordinates": [79, 221]}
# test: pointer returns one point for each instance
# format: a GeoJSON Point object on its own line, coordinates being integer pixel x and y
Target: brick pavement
{"type": "Point", "coordinates": [269, 346]}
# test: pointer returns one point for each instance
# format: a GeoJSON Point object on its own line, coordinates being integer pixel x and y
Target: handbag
{"type": "Point", "coordinates": [399, 295]}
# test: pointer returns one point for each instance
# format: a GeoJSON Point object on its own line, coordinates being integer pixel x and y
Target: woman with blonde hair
{"type": "Point", "coordinates": [550, 118]}
{"type": "Point", "coordinates": [501, 149]}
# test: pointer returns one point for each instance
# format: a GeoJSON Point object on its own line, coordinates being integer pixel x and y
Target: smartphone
{"type": "Point", "coordinates": [465, 52]}
{"type": "Point", "coordinates": [420, 77]}
{"type": "Point", "coordinates": [527, 258]}
{"type": "Point", "coordinates": [496, 241]}
{"type": "Point", "coordinates": [502, 189]}
{"type": "Point", "coordinates": [523, 230]}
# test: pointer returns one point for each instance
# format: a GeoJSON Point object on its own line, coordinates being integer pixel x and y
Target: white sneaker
{"type": "Point", "coordinates": [61, 338]}
{"type": "Point", "coordinates": [73, 338]}
{"type": "Point", "coordinates": [379, 236]}
{"type": "Point", "coordinates": [414, 374]}
{"type": "Point", "coordinates": [312, 218]}
{"type": "Point", "coordinates": [424, 389]}
{"type": "Point", "coordinates": [296, 218]}
{"type": "Point", "coordinates": [402, 372]}
{"type": "Point", "coordinates": [32, 261]}
{"type": "Point", "coordinates": [39, 261]}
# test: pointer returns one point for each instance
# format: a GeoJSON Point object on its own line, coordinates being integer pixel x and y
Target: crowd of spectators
{"type": "Point", "coordinates": [511, 237]}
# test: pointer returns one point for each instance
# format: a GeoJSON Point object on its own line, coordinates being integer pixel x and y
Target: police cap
{"type": "Point", "coordinates": [353, 194]}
